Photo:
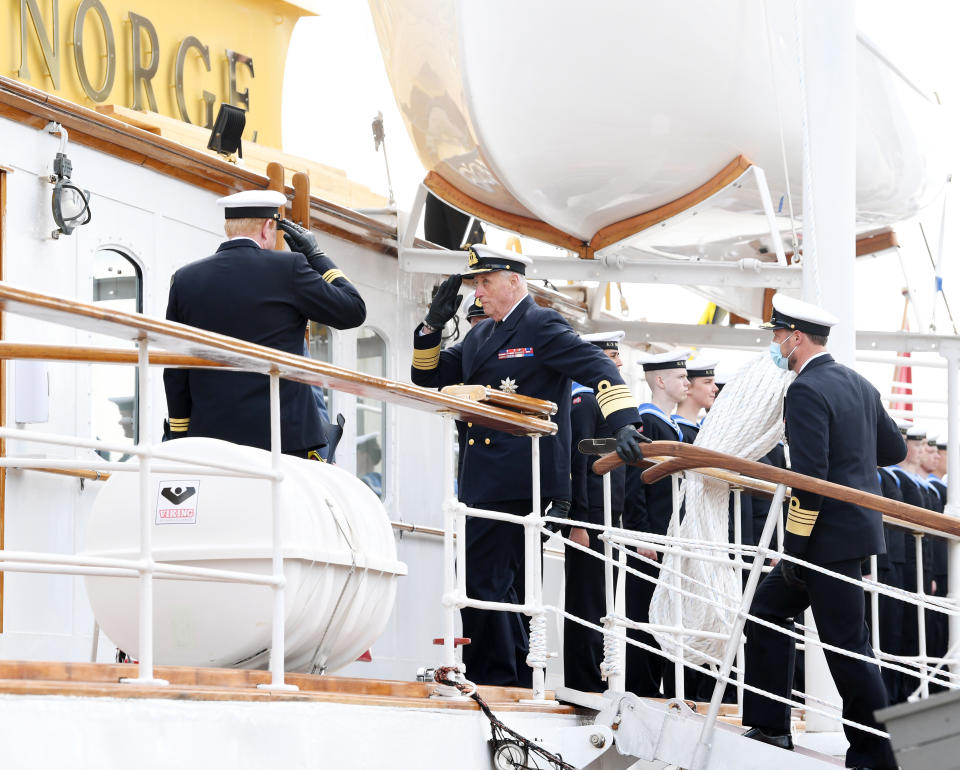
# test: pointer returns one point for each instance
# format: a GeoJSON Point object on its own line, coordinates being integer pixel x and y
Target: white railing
{"type": "Point", "coordinates": [145, 458]}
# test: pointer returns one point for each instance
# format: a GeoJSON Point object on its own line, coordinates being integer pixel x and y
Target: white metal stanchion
{"type": "Point", "coordinates": [921, 625]}
{"type": "Point", "coordinates": [677, 599]}
{"type": "Point", "coordinates": [533, 579]}
{"type": "Point", "coordinates": [738, 542]}
{"type": "Point", "coordinates": [449, 562]}
{"type": "Point", "coordinates": [875, 609]}
{"type": "Point", "coordinates": [145, 630]}
{"type": "Point", "coordinates": [952, 353]}
{"type": "Point", "coordinates": [277, 651]}
{"type": "Point", "coordinates": [701, 755]}
{"type": "Point", "coordinates": [612, 667]}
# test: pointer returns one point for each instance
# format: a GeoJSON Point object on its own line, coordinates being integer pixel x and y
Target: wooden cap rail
{"type": "Point", "coordinates": [688, 457]}
{"type": "Point", "coordinates": [199, 343]}
{"type": "Point", "coordinates": [513, 401]}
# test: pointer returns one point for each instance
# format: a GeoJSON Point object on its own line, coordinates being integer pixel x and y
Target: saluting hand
{"type": "Point", "coordinates": [445, 303]}
{"type": "Point", "coordinates": [299, 239]}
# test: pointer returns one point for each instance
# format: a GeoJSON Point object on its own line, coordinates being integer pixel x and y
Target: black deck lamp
{"type": "Point", "coordinates": [70, 204]}
{"type": "Point", "coordinates": [227, 129]}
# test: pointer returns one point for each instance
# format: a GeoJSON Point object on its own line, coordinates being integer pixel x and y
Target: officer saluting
{"type": "Point", "coordinates": [248, 290]}
{"type": "Point", "coordinates": [837, 430]}
{"type": "Point", "coordinates": [526, 349]}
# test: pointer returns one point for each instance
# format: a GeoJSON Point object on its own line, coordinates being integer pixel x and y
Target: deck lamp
{"type": "Point", "coordinates": [227, 128]}
{"type": "Point", "coordinates": [70, 204]}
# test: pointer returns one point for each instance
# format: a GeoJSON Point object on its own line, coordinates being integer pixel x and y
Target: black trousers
{"type": "Point", "coordinates": [498, 646]}
{"type": "Point", "coordinates": [838, 609]}
{"type": "Point", "coordinates": [645, 670]}
{"type": "Point", "coordinates": [585, 597]}
{"type": "Point", "coordinates": [890, 615]}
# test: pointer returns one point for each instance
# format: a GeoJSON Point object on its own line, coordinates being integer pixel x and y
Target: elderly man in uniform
{"type": "Point", "coordinates": [250, 291]}
{"type": "Point", "coordinates": [648, 508]}
{"type": "Point", "coordinates": [838, 430]}
{"type": "Point", "coordinates": [585, 594]}
{"type": "Point", "coordinates": [700, 395]}
{"type": "Point", "coordinates": [521, 348]}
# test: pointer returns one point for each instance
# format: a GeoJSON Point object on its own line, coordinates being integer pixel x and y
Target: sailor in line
{"type": "Point", "coordinates": [526, 349]}
{"type": "Point", "coordinates": [890, 571]}
{"type": "Point", "coordinates": [838, 430]}
{"type": "Point", "coordinates": [648, 508]}
{"type": "Point", "coordinates": [937, 622]}
{"type": "Point", "coordinates": [250, 291]}
{"type": "Point", "coordinates": [585, 593]}
{"type": "Point", "coordinates": [700, 396]}
{"type": "Point", "coordinates": [915, 492]}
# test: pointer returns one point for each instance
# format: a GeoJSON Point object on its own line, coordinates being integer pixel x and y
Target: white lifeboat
{"type": "Point", "coordinates": [582, 116]}
{"type": "Point", "coordinates": [340, 562]}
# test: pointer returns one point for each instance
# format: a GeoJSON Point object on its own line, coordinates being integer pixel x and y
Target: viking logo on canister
{"type": "Point", "coordinates": [177, 502]}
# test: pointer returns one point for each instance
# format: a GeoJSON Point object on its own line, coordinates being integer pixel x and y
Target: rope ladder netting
{"type": "Point", "coordinates": [746, 420]}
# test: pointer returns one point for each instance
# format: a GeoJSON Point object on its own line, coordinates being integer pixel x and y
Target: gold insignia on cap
{"type": "Point", "coordinates": [473, 258]}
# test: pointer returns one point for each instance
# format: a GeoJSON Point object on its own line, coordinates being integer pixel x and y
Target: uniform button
{"type": "Point", "coordinates": [486, 441]}
{"type": "Point", "coordinates": [470, 442]}
{"type": "Point", "coordinates": [469, 424]}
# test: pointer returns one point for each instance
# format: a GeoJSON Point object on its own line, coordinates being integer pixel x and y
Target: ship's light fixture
{"type": "Point", "coordinates": [70, 204]}
{"type": "Point", "coordinates": [227, 128]}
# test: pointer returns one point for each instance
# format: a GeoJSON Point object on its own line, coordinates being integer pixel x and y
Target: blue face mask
{"type": "Point", "coordinates": [776, 355]}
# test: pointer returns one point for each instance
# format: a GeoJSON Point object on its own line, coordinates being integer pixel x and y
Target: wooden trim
{"type": "Point", "coordinates": [766, 312]}
{"type": "Point", "coordinates": [688, 457]}
{"type": "Point", "coordinates": [532, 228]}
{"type": "Point", "coordinates": [300, 210]}
{"type": "Point", "coordinates": [222, 684]}
{"type": "Point", "coordinates": [112, 136]}
{"type": "Point", "coordinates": [514, 401]}
{"type": "Point", "coordinates": [93, 355]}
{"type": "Point", "coordinates": [189, 340]}
{"type": "Point", "coordinates": [618, 231]}
{"type": "Point", "coordinates": [871, 244]}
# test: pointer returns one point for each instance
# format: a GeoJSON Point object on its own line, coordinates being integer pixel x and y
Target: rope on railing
{"type": "Point", "coordinates": [757, 390]}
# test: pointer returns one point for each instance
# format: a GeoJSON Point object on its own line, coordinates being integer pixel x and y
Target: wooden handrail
{"type": "Point", "coordinates": [199, 343]}
{"type": "Point", "coordinates": [688, 457]}
{"type": "Point", "coordinates": [96, 355]}
{"type": "Point", "coordinates": [512, 401]}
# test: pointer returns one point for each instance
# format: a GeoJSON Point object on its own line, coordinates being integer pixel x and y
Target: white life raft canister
{"type": "Point", "coordinates": [340, 561]}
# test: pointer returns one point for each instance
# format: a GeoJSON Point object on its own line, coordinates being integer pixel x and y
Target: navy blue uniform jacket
{"type": "Point", "coordinates": [264, 297]}
{"type": "Point", "coordinates": [649, 507]}
{"type": "Point", "coordinates": [536, 351]}
{"type": "Point", "coordinates": [586, 421]}
{"type": "Point", "coordinates": [837, 430]}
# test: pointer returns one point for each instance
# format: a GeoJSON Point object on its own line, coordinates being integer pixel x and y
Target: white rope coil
{"type": "Point", "coordinates": [537, 655]}
{"type": "Point", "coordinates": [746, 421]}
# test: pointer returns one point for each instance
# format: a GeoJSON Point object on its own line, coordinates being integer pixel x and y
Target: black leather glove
{"type": "Point", "coordinates": [560, 509]}
{"type": "Point", "coordinates": [299, 239]}
{"type": "Point", "coordinates": [628, 443]}
{"type": "Point", "coordinates": [791, 575]}
{"type": "Point", "coordinates": [445, 303]}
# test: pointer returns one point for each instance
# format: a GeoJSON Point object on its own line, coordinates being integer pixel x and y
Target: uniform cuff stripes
{"type": "Point", "coordinates": [426, 359]}
{"type": "Point", "coordinates": [179, 424]}
{"type": "Point", "coordinates": [800, 521]}
{"type": "Point", "coordinates": [332, 274]}
{"type": "Point", "coordinates": [612, 398]}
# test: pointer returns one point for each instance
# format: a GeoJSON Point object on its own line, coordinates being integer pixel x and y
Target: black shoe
{"type": "Point", "coordinates": [780, 741]}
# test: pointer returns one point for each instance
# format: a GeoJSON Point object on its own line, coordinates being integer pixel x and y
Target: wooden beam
{"type": "Point", "coordinates": [871, 244]}
{"type": "Point", "coordinates": [619, 231]}
{"type": "Point", "coordinates": [532, 228]}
